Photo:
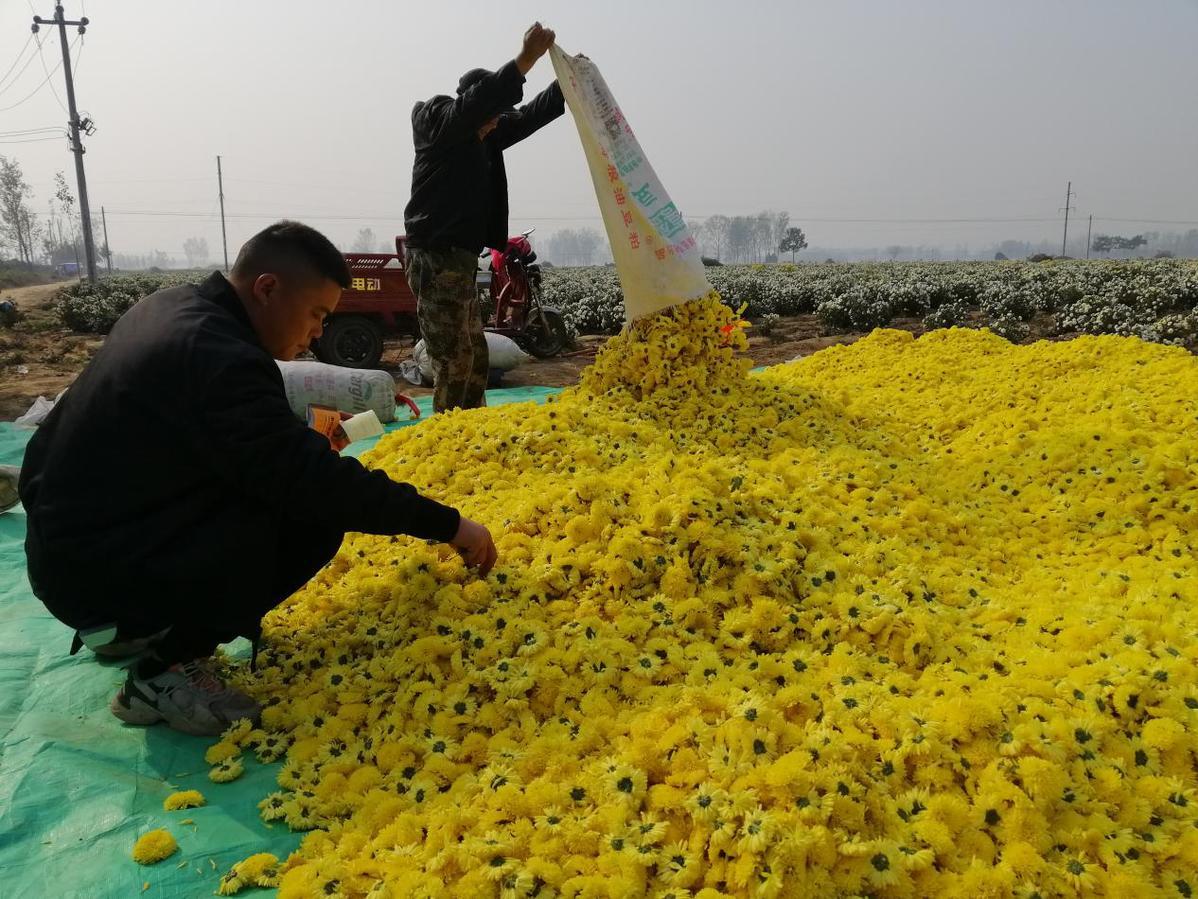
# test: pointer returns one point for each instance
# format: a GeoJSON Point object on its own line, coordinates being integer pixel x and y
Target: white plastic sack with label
{"type": "Point", "coordinates": [505, 354]}
{"type": "Point", "coordinates": [656, 257]}
{"type": "Point", "coordinates": [347, 389]}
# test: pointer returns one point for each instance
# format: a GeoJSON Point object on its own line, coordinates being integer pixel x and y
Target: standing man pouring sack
{"type": "Point", "coordinates": [459, 205]}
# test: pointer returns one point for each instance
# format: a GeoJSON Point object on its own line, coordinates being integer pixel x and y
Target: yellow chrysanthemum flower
{"type": "Point", "coordinates": [183, 799]}
{"type": "Point", "coordinates": [153, 847]}
{"type": "Point", "coordinates": [260, 870]}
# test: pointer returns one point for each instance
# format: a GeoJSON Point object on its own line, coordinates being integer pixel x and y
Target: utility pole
{"type": "Point", "coordinates": [1068, 194]}
{"type": "Point", "coordinates": [220, 184]}
{"type": "Point", "coordinates": [107, 248]}
{"type": "Point", "coordinates": [76, 144]}
{"type": "Point", "coordinates": [1088, 228]}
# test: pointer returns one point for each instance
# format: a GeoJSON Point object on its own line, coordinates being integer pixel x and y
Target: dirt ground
{"type": "Point", "coordinates": [39, 357]}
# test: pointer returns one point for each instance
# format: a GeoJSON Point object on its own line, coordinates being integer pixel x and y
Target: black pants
{"type": "Point", "coordinates": [200, 612]}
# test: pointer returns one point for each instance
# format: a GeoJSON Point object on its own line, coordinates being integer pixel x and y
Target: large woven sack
{"type": "Point", "coordinates": [347, 389]}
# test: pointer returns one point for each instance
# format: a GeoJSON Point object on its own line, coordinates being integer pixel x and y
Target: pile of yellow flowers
{"type": "Point", "coordinates": [906, 618]}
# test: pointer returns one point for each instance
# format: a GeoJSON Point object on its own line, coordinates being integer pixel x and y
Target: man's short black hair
{"type": "Point", "coordinates": [291, 248]}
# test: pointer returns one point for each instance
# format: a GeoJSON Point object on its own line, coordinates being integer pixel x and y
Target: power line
{"type": "Point", "coordinates": [147, 180]}
{"type": "Point", "coordinates": [25, 131]}
{"type": "Point", "coordinates": [214, 216]}
{"type": "Point", "coordinates": [1099, 218]}
{"type": "Point", "coordinates": [588, 218]}
{"type": "Point", "coordinates": [926, 221]}
{"type": "Point", "coordinates": [309, 185]}
{"type": "Point", "coordinates": [17, 78]}
{"type": "Point", "coordinates": [383, 217]}
{"type": "Point", "coordinates": [256, 215]}
{"type": "Point", "coordinates": [33, 140]}
{"type": "Point", "coordinates": [4, 77]}
{"type": "Point", "coordinates": [45, 69]}
{"type": "Point", "coordinates": [38, 88]}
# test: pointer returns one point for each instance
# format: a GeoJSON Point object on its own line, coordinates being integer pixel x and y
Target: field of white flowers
{"type": "Point", "coordinates": [1156, 300]}
{"type": "Point", "coordinates": [1152, 299]}
{"type": "Point", "coordinates": [95, 308]}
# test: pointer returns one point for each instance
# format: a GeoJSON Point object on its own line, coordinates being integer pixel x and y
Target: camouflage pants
{"type": "Point", "coordinates": [447, 309]}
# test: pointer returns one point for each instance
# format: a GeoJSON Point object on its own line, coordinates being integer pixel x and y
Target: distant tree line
{"type": "Point", "coordinates": [748, 238]}
{"type": "Point", "coordinates": [30, 239]}
{"type": "Point", "coordinates": [738, 238]}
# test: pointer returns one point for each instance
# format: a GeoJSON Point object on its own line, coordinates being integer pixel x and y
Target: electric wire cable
{"type": "Point", "coordinates": [46, 69]}
{"type": "Point", "coordinates": [34, 92]}
{"type": "Point", "coordinates": [5, 88]}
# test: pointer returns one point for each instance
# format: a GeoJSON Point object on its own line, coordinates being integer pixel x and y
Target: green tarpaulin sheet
{"type": "Point", "coordinates": [77, 787]}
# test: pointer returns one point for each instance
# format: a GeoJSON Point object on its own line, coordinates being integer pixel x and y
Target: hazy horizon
{"type": "Point", "coordinates": [873, 124]}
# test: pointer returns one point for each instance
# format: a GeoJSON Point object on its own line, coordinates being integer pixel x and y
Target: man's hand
{"type": "Point", "coordinates": [537, 41]}
{"type": "Point", "coordinates": [339, 439]}
{"type": "Point", "coordinates": [477, 548]}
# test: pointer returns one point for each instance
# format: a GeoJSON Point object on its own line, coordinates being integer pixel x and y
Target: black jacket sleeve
{"type": "Point", "coordinates": [443, 121]}
{"type": "Point", "coordinates": [258, 447]}
{"type": "Point", "coordinates": [543, 109]}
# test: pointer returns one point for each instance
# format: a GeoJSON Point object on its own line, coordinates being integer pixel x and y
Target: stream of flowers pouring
{"type": "Point", "coordinates": [905, 618]}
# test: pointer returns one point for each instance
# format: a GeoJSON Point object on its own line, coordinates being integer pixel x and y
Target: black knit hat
{"type": "Point", "coordinates": [473, 77]}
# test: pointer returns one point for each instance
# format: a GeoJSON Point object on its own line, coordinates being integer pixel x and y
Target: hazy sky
{"type": "Point", "coordinates": [830, 110]}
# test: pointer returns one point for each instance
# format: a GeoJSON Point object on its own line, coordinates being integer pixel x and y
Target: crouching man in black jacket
{"type": "Point", "coordinates": [173, 498]}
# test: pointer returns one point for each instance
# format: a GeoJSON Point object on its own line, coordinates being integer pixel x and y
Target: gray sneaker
{"type": "Point", "coordinates": [188, 697]}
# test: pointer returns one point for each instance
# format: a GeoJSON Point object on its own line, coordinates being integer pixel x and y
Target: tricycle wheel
{"type": "Point", "coordinates": [546, 334]}
{"type": "Point", "coordinates": [352, 341]}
